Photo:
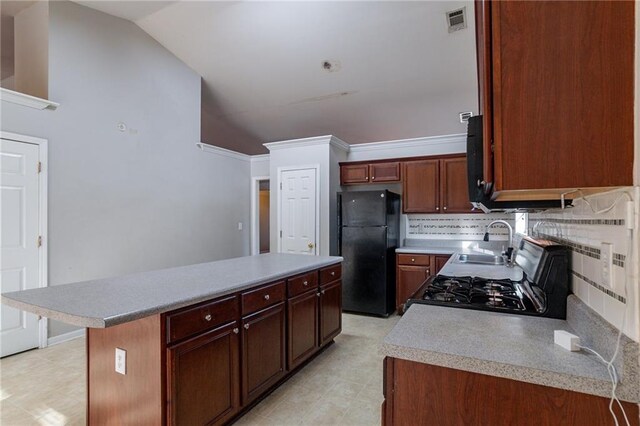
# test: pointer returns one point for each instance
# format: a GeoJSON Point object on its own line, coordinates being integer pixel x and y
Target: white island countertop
{"type": "Point", "coordinates": [111, 301]}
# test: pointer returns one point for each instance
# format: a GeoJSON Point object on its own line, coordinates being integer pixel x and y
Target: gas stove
{"type": "Point", "coordinates": [542, 291]}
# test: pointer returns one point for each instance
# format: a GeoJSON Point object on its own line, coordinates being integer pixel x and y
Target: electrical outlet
{"type": "Point", "coordinates": [121, 361]}
{"type": "Point", "coordinates": [239, 226]}
{"type": "Point", "coordinates": [606, 257]}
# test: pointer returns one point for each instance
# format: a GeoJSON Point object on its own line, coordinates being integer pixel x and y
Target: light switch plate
{"type": "Point", "coordinates": [121, 361]}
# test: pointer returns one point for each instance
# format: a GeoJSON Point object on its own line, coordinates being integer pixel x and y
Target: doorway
{"type": "Point", "coordinates": [260, 217]}
{"type": "Point", "coordinates": [298, 216]}
{"type": "Point", "coordinates": [23, 190]}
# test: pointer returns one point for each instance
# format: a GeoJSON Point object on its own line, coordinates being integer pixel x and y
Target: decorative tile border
{"type": "Point", "coordinates": [434, 226]}
{"type": "Point", "coordinates": [607, 291]}
{"type": "Point", "coordinates": [614, 222]}
{"type": "Point", "coordinates": [586, 250]}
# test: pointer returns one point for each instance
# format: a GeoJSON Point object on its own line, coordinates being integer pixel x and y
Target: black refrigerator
{"type": "Point", "coordinates": [368, 233]}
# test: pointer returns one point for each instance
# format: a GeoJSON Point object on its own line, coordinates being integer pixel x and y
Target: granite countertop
{"type": "Point", "coordinates": [511, 346]}
{"type": "Point", "coordinates": [111, 301]}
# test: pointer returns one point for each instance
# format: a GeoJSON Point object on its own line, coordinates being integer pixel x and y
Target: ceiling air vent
{"type": "Point", "coordinates": [457, 19]}
{"type": "Point", "coordinates": [464, 116]}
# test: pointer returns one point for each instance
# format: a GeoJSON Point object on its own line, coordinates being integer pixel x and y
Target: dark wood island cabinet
{"type": "Point", "coordinates": [209, 363]}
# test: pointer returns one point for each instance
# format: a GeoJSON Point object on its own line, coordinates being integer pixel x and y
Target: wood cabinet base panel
{"type": "Point", "coordinates": [423, 394]}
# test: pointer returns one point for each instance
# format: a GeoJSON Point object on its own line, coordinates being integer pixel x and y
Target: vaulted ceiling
{"type": "Point", "coordinates": [395, 70]}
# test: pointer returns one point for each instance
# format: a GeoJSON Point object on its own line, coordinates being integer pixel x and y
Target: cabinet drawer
{"type": "Point", "coordinates": [201, 318]}
{"type": "Point", "coordinates": [302, 283]}
{"type": "Point", "coordinates": [330, 274]}
{"type": "Point", "coordinates": [414, 259]}
{"type": "Point", "coordinates": [254, 300]}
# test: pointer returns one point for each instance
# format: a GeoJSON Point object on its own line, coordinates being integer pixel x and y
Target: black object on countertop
{"type": "Point", "coordinates": [368, 234]}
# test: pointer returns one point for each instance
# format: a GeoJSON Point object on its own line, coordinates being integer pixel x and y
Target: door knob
{"type": "Point", "coordinates": [310, 245]}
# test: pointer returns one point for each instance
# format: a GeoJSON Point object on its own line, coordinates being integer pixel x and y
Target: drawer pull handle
{"type": "Point", "coordinates": [266, 297]}
{"type": "Point", "coordinates": [246, 326]}
{"type": "Point", "coordinates": [413, 260]}
{"type": "Point", "coordinates": [333, 273]}
{"type": "Point", "coordinates": [208, 317]}
{"type": "Point", "coordinates": [305, 283]}
{"type": "Point", "coordinates": [236, 330]}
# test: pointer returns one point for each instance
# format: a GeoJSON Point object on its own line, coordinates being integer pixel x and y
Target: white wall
{"type": "Point", "coordinates": [31, 49]}
{"type": "Point", "coordinates": [259, 165]}
{"type": "Point", "coordinates": [147, 198]}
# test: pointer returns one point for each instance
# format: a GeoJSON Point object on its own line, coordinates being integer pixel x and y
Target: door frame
{"type": "Point", "coordinates": [255, 217]}
{"type": "Point", "coordinates": [279, 212]}
{"type": "Point", "coordinates": [43, 277]}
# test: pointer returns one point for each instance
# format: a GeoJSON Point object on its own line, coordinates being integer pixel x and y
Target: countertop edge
{"type": "Point", "coordinates": [98, 322]}
{"type": "Point", "coordinates": [509, 371]}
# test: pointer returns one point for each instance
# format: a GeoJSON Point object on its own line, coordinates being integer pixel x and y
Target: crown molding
{"type": "Point", "coordinates": [26, 100]}
{"type": "Point", "coordinates": [410, 143]}
{"type": "Point", "coordinates": [223, 151]}
{"type": "Point", "coordinates": [316, 140]}
{"type": "Point", "coordinates": [231, 154]}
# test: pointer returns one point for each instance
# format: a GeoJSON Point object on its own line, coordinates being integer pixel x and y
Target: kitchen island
{"type": "Point", "coordinates": [198, 344]}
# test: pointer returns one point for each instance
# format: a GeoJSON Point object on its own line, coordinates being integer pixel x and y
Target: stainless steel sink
{"type": "Point", "coordinates": [480, 259]}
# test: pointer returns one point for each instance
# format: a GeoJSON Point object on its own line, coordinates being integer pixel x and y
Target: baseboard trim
{"type": "Point", "coordinates": [55, 340]}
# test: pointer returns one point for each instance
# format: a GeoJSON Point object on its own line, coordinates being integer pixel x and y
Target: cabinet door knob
{"type": "Point", "coordinates": [322, 291]}
{"type": "Point", "coordinates": [246, 326]}
{"type": "Point", "coordinates": [412, 259]}
{"type": "Point", "coordinates": [266, 297]}
{"type": "Point", "coordinates": [305, 283]}
{"type": "Point", "coordinates": [373, 178]}
{"type": "Point", "coordinates": [444, 208]}
{"type": "Point", "coordinates": [208, 317]}
{"type": "Point", "coordinates": [236, 330]}
{"type": "Point", "coordinates": [333, 273]}
{"type": "Point", "coordinates": [437, 208]}
{"type": "Point", "coordinates": [318, 294]}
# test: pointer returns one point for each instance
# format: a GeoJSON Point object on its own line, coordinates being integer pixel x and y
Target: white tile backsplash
{"type": "Point", "coordinates": [457, 226]}
{"type": "Point", "coordinates": [584, 231]}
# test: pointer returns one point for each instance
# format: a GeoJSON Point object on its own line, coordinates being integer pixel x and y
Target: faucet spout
{"type": "Point", "coordinates": [509, 251]}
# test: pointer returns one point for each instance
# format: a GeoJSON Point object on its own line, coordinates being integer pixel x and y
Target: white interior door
{"type": "Point", "coordinates": [19, 257]}
{"type": "Point", "coordinates": [298, 211]}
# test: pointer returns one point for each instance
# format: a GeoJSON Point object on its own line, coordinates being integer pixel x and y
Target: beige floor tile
{"type": "Point", "coordinates": [340, 387]}
{"type": "Point", "coordinates": [10, 415]}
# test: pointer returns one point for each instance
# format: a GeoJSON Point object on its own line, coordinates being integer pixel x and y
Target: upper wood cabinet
{"type": "Point", "coordinates": [421, 186]}
{"type": "Point", "coordinates": [454, 191]}
{"type": "Point", "coordinates": [436, 186]}
{"type": "Point", "coordinates": [354, 173]}
{"type": "Point", "coordinates": [556, 95]}
{"type": "Point", "coordinates": [374, 172]}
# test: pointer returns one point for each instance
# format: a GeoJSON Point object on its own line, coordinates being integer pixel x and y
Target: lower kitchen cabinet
{"type": "Point", "coordinates": [204, 378]}
{"type": "Point", "coordinates": [330, 311]}
{"type": "Point", "coordinates": [439, 262]}
{"type": "Point", "coordinates": [424, 394]}
{"type": "Point", "coordinates": [263, 351]}
{"type": "Point", "coordinates": [411, 272]}
{"type": "Point", "coordinates": [302, 322]}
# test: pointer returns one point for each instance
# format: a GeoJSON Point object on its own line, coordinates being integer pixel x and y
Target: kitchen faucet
{"type": "Point", "coordinates": [509, 252]}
